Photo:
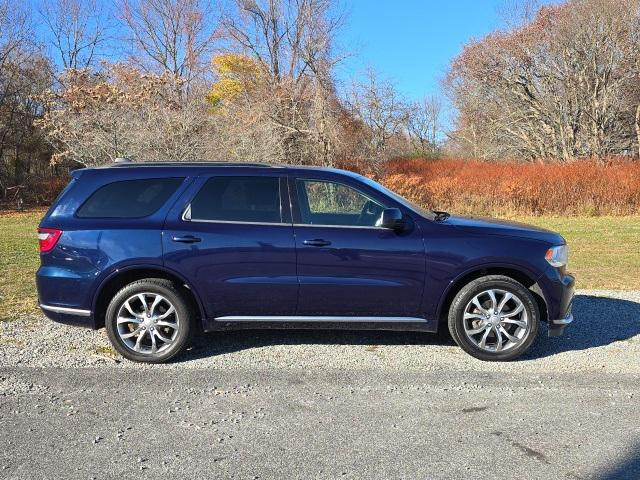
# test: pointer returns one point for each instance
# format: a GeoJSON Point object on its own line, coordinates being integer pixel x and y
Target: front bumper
{"type": "Point", "coordinates": [560, 314]}
{"type": "Point", "coordinates": [556, 327]}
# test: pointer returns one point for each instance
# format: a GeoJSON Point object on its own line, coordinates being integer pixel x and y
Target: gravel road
{"type": "Point", "coordinates": [298, 404]}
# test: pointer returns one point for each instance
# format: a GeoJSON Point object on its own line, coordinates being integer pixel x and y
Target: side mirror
{"type": "Point", "coordinates": [392, 219]}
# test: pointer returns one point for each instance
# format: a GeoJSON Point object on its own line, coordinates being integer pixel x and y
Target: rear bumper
{"type": "Point", "coordinates": [63, 294]}
{"type": "Point", "coordinates": [69, 311]}
{"type": "Point", "coordinates": [69, 316]}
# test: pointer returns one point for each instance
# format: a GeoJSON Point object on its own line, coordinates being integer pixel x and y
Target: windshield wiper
{"type": "Point", "coordinates": [440, 216]}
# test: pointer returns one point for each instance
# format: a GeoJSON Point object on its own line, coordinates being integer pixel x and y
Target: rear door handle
{"type": "Point", "coordinates": [317, 242]}
{"type": "Point", "coordinates": [186, 239]}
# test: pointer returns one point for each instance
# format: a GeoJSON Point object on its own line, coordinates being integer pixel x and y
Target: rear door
{"type": "Point", "coordinates": [232, 238]}
{"type": "Point", "coordinates": [348, 266]}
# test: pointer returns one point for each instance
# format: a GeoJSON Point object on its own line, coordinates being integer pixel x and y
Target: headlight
{"type": "Point", "coordinates": [557, 256]}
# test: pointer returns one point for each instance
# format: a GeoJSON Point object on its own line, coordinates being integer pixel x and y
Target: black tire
{"type": "Point", "coordinates": [467, 294]}
{"type": "Point", "coordinates": [183, 312]}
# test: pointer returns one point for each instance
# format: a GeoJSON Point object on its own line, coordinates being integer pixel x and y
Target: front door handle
{"type": "Point", "coordinates": [186, 239]}
{"type": "Point", "coordinates": [317, 242]}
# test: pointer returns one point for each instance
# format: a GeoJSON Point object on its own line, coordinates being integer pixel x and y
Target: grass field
{"type": "Point", "coordinates": [19, 261]}
{"type": "Point", "coordinates": [604, 253]}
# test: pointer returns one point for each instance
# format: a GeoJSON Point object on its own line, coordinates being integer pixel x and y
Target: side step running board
{"type": "Point", "coordinates": [297, 318]}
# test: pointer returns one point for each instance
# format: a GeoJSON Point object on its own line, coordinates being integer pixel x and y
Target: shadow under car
{"type": "Point", "coordinates": [599, 321]}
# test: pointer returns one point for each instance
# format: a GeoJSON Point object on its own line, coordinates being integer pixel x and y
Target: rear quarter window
{"type": "Point", "coordinates": [129, 198]}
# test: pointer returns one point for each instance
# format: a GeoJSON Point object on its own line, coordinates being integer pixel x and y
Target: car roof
{"type": "Point", "coordinates": [203, 166]}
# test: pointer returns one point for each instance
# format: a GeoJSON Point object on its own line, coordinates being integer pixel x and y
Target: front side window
{"type": "Point", "coordinates": [238, 199]}
{"type": "Point", "coordinates": [331, 203]}
{"type": "Point", "coordinates": [129, 198]}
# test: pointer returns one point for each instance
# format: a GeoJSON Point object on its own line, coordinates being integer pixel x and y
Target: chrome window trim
{"type": "Point", "coordinates": [308, 318]}
{"type": "Point", "coordinates": [186, 217]}
{"type": "Point", "coordinates": [71, 311]}
{"type": "Point", "coordinates": [234, 222]}
{"type": "Point", "coordinates": [340, 226]}
{"type": "Point", "coordinates": [317, 225]}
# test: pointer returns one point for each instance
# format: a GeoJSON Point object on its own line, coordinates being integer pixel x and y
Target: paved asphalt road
{"type": "Point", "coordinates": [367, 424]}
{"type": "Point", "coordinates": [307, 405]}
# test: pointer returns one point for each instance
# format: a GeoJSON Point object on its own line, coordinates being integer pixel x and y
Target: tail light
{"type": "Point", "coordinates": [48, 237]}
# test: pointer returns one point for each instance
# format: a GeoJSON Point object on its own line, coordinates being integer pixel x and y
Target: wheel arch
{"type": "Point", "coordinates": [520, 275]}
{"type": "Point", "coordinates": [122, 277]}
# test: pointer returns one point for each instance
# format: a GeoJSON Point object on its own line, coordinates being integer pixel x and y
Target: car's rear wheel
{"type": "Point", "coordinates": [494, 318]}
{"type": "Point", "coordinates": [149, 321]}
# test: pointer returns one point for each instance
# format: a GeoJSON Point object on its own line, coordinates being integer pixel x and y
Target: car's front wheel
{"type": "Point", "coordinates": [494, 318]}
{"type": "Point", "coordinates": [149, 321]}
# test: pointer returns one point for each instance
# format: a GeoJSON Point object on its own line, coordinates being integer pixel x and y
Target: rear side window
{"type": "Point", "coordinates": [60, 196]}
{"type": "Point", "coordinates": [238, 199]}
{"type": "Point", "coordinates": [129, 198]}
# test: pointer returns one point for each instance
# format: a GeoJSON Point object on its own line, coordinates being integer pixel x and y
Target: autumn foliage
{"type": "Point", "coordinates": [558, 85]}
{"type": "Point", "coordinates": [476, 187]}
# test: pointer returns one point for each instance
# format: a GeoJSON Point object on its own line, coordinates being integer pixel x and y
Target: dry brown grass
{"type": "Point", "coordinates": [580, 188]}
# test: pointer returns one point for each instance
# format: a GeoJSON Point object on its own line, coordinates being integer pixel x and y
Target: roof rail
{"type": "Point", "coordinates": [128, 163]}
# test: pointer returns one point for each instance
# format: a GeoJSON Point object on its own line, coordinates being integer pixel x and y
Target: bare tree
{"type": "Point", "coordinates": [121, 112]}
{"type": "Point", "coordinates": [290, 38]}
{"type": "Point", "coordinates": [558, 87]}
{"type": "Point", "coordinates": [24, 75]}
{"type": "Point", "coordinates": [78, 30]}
{"type": "Point", "coordinates": [517, 13]}
{"type": "Point", "coordinates": [13, 23]}
{"type": "Point", "coordinates": [171, 36]}
{"type": "Point", "coordinates": [424, 125]}
{"type": "Point", "coordinates": [292, 44]}
{"type": "Point", "coordinates": [378, 104]}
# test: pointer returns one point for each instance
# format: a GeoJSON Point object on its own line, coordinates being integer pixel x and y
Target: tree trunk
{"type": "Point", "coordinates": [638, 129]}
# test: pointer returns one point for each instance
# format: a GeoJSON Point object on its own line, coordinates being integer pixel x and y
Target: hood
{"type": "Point", "coordinates": [490, 226]}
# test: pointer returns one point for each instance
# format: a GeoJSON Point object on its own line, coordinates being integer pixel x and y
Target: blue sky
{"type": "Point", "coordinates": [411, 42]}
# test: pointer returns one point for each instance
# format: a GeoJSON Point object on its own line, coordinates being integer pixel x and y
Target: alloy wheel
{"type": "Point", "coordinates": [496, 320]}
{"type": "Point", "coordinates": [147, 323]}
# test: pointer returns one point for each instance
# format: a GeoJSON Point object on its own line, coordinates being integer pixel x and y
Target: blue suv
{"type": "Point", "coordinates": [159, 252]}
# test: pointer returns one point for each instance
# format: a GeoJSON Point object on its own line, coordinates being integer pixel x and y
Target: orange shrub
{"type": "Point", "coordinates": [476, 187]}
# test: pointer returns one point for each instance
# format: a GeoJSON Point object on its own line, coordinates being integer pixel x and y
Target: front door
{"type": "Point", "coordinates": [233, 241]}
{"type": "Point", "coordinates": [348, 266]}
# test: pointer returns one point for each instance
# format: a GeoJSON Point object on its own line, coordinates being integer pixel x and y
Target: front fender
{"type": "Point", "coordinates": [472, 271]}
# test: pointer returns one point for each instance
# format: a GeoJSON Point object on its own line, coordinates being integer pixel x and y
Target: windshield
{"type": "Point", "coordinates": [398, 198]}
